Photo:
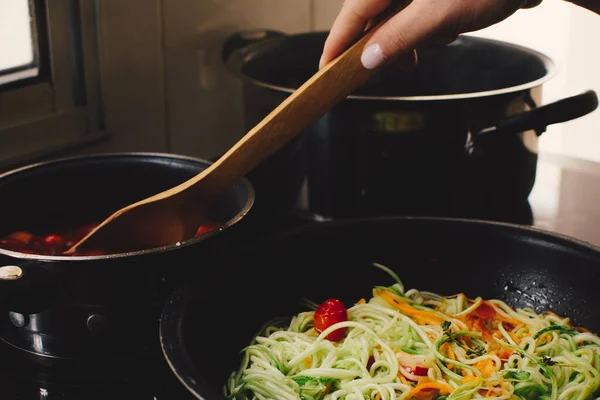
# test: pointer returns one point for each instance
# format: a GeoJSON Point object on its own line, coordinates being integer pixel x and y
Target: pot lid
{"type": "Point", "coordinates": [468, 67]}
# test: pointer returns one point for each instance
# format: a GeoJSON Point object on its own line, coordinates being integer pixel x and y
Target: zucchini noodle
{"type": "Point", "coordinates": [419, 345]}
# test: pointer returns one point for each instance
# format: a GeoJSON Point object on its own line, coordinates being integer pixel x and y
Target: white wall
{"type": "Point", "coordinates": [565, 33]}
{"type": "Point", "coordinates": [203, 99]}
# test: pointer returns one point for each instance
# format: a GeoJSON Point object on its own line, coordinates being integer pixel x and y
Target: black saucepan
{"type": "Point", "coordinates": [206, 324]}
{"type": "Point", "coordinates": [88, 307]}
{"type": "Point", "coordinates": [428, 131]}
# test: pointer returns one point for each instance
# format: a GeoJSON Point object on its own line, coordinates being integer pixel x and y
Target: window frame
{"type": "Point", "coordinates": [61, 107]}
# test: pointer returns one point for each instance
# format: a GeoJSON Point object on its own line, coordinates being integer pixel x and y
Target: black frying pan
{"type": "Point", "coordinates": [205, 325]}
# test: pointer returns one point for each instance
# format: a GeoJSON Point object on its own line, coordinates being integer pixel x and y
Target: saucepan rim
{"type": "Point", "coordinates": [549, 64]}
{"type": "Point", "coordinates": [155, 250]}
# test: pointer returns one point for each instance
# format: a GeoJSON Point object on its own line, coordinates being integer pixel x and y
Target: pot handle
{"type": "Point", "coordinates": [17, 275]}
{"type": "Point", "coordinates": [241, 40]}
{"type": "Point", "coordinates": [539, 118]}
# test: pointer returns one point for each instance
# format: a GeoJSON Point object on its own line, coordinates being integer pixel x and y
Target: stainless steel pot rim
{"type": "Point", "coordinates": [43, 258]}
{"type": "Point", "coordinates": [550, 65]}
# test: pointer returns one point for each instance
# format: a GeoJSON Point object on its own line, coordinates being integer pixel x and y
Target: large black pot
{"type": "Point", "coordinates": [98, 307]}
{"type": "Point", "coordinates": [523, 266]}
{"type": "Point", "coordinates": [419, 143]}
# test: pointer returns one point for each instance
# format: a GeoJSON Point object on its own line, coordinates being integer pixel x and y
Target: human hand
{"type": "Point", "coordinates": [421, 23]}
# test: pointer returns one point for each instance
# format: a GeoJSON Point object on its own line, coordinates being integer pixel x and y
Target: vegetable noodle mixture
{"type": "Point", "coordinates": [419, 345]}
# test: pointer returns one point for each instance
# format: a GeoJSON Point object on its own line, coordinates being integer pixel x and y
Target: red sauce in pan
{"type": "Point", "coordinates": [55, 244]}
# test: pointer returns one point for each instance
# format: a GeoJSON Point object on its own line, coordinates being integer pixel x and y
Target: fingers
{"type": "Point", "coordinates": [349, 24]}
{"type": "Point", "coordinates": [421, 23]}
{"type": "Point", "coordinates": [407, 30]}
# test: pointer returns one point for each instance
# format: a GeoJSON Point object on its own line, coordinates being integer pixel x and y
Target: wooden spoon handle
{"type": "Point", "coordinates": [313, 99]}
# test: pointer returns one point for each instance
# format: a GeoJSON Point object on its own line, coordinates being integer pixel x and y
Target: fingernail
{"type": "Point", "coordinates": [373, 57]}
{"type": "Point", "coordinates": [321, 62]}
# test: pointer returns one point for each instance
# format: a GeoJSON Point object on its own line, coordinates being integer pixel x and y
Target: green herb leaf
{"type": "Point", "coordinates": [517, 374]}
{"type": "Point", "coordinates": [303, 380]}
{"type": "Point", "coordinates": [559, 328]}
{"type": "Point", "coordinates": [446, 326]}
{"type": "Point", "coordinates": [548, 361]}
{"type": "Point", "coordinates": [477, 351]}
{"type": "Point", "coordinates": [530, 390]}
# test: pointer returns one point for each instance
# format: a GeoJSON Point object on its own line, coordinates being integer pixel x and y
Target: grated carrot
{"type": "Point", "coordinates": [468, 379]}
{"type": "Point", "coordinates": [471, 378]}
{"type": "Point", "coordinates": [449, 353]}
{"type": "Point", "coordinates": [421, 317]}
{"type": "Point", "coordinates": [420, 388]}
{"type": "Point", "coordinates": [514, 337]}
{"type": "Point", "coordinates": [403, 379]}
{"type": "Point", "coordinates": [486, 367]}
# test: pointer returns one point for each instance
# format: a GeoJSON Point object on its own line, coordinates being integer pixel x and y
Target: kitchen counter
{"type": "Point", "coordinates": [566, 197]}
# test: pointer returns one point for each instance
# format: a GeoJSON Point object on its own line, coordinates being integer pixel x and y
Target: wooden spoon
{"type": "Point", "coordinates": [175, 214]}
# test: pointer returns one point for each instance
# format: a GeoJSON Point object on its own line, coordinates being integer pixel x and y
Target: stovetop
{"type": "Point", "coordinates": [563, 200]}
{"type": "Point", "coordinates": [150, 379]}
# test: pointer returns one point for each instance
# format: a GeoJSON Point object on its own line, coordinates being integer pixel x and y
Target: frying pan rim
{"type": "Point", "coordinates": [133, 155]}
{"type": "Point", "coordinates": [177, 303]}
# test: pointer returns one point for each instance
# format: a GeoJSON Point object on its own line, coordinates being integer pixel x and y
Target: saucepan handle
{"type": "Point", "coordinates": [240, 41]}
{"type": "Point", "coordinates": [539, 118]}
{"type": "Point", "coordinates": [20, 275]}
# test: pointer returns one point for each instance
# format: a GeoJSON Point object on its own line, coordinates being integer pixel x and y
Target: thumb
{"type": "Point", "coordinates": [419, 22]}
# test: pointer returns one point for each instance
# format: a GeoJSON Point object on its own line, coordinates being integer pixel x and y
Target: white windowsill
{"type": "Point", "coordinates": [19, 75]}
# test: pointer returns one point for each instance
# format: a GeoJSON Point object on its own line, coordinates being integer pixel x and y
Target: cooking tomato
{"type": "Point", "coordinates": [54, 240]}
{"type": "Point", "coordinates": [329, 313]}
{"type": "Point", "coordinates": [202, 229]}
{"type": "Point", "coordinates": [418, 371]}
{"type": "Point", "coordinates": [485, 311]}
{"type": "Point", "coordinates": [12, 244]}
{"type": "Point", "coordinates": [57, 244]}
{"type": "Point", "coordinates": [23, 237]}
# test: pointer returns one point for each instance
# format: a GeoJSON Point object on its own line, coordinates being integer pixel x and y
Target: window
{"type": "Point", "coordinates": [17, 41]}
{"type": "Point", "coordinates": [49, 84]}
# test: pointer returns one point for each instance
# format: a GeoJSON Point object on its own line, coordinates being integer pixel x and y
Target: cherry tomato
{"type": "Point", "coordinates": [24, 237]}
{"type": "Point", "coordinates": [12, 244]}
{"type": "Point", "coordinates": [329, 313]}
{"type": "Point", "coordinates": [54, 240]}
{"type": "Point", "coordinates": [202, 229]}
{"type": "Point", "coordinates": [485, 311]}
